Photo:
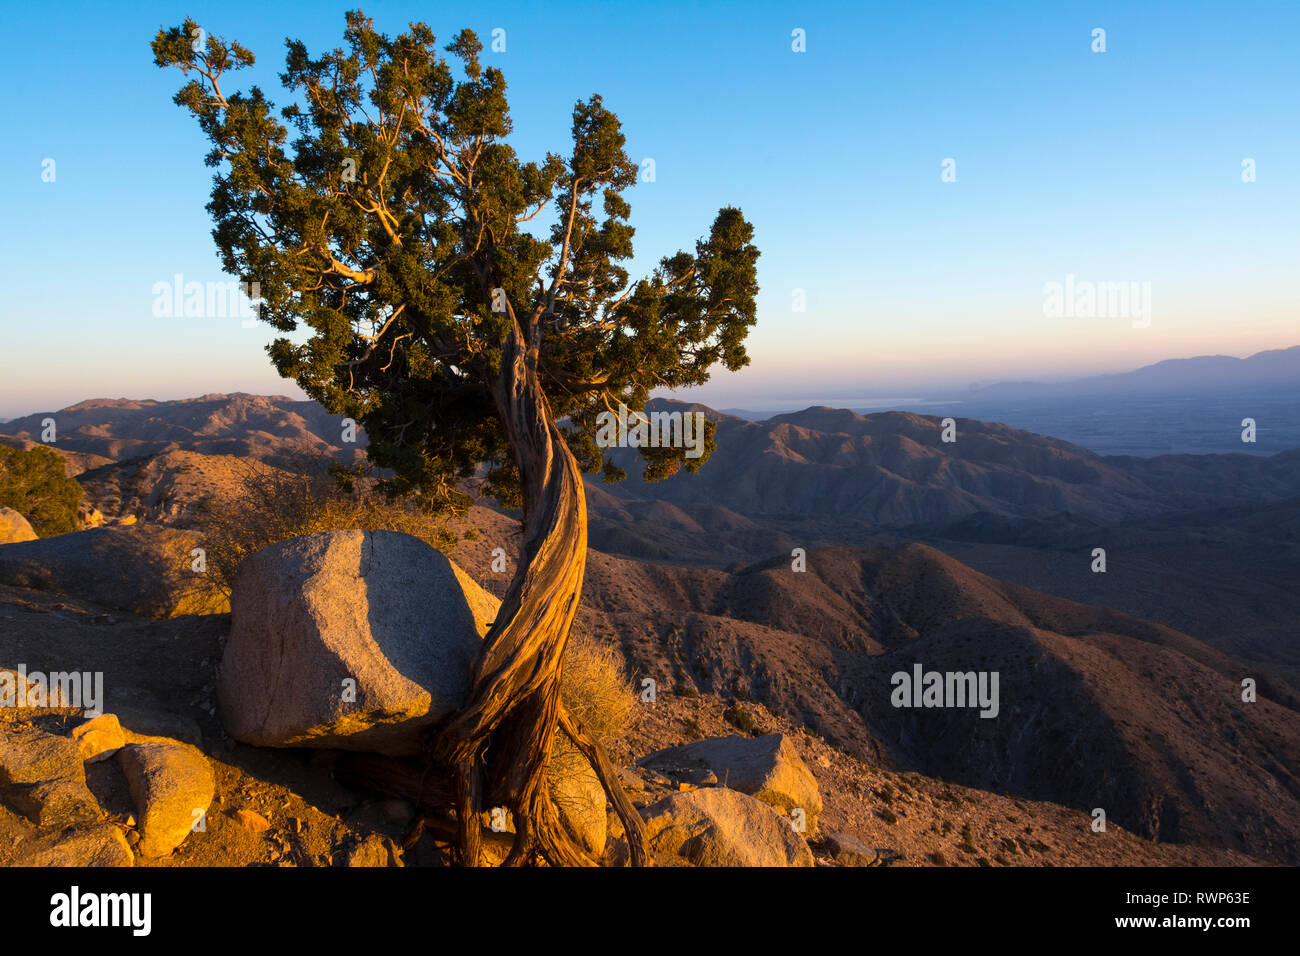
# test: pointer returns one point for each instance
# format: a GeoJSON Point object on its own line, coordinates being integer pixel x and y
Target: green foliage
{"type": "Point", "coordinates": [384, 209]}
{"type": "Point", "coordinates": [35, 484]}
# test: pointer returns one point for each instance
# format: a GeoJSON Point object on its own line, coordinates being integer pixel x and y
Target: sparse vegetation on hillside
{"type": "Point", "coordinates": [739, 718]}
{"type": "Point", "coordinates": [274, 505]}
{"type": "Point", "coordinates": [35, 484]}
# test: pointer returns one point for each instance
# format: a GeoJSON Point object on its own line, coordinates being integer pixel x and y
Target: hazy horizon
{"type": "Point", "coordinates": [939, 392]}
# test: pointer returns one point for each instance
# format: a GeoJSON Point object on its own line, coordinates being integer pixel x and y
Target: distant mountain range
{"type": "Point", "coordinates": [1181, 406]}
{"type": "Point", "coordinates": [892, 470]}
{"type": "Point", "coordinates": [270, 428]}
{"type": "Point", "coordinates": [1276, 368]}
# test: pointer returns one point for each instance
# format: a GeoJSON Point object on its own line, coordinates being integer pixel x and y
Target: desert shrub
{"type": "Point", "coordinates": [272, 505]}
{"type": "Point", "coordinates": [938, 859]}
{"type": "Point", "coordinates": [740, 719]}
{"type": "Point", "coordinates": [967, 844]}
{"type": "Point", "coordinates": [35, 483]}
{"type": "Point", "coordinates": [597, 689]}
{"type": "Point", "coordinates": [886, 793]}
{"type": "Point", "coordinates": [888, 815]}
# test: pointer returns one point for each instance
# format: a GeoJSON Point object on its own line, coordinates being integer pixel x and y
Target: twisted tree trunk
{"type": "Point", "coordinates": [498, 745]}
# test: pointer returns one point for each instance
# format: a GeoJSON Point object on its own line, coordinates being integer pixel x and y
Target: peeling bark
{"type": "Point", "coordinates": [498, 745]}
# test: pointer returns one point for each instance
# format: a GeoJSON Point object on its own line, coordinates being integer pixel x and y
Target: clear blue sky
{"type": "Point", "coordinates": [1115, 166]}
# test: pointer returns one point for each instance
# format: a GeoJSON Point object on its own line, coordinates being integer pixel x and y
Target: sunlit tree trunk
{"type": "Point", "coordinates": [498, 746]}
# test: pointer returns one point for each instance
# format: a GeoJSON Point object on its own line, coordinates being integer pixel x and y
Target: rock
{"type": "Point", "coordinates": [767, 768]}
{"type": "Point", "coordinates": [695, 777]}
{"type": "Point", "coordinates": [630, 780]}
{"type": "Point", "coordinates": [848, 850]}
{"type": "Point", "coordinates": [99, 738]}
{"type": "Point", "coordinates": [88, 516]}
{"type": "Point", "coordinates": [169, 781]}
{"type": "Point", "coordinates": [378, 608]}
{"type": "Point", "coordinates": [145, 570]}
{"type": "Point", "coordinates": [722, 827]}
{"type": "Point", "coordinates": [36, 694]}
{"type": "Point", "coordinates": [42, 777]}
{"type": "Point", "coordinates": [14, 527]}
{"type": "Point", "coordinates": [578, 797]}
{"type": "Point", "coordinates": [252, 820]}
{"type": "Point", "coordinates": [373, 851]}
{"type": "Point", "coordinates": [101, 845]}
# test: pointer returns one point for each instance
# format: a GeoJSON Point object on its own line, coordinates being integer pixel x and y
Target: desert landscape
{"type": "Point", "coordinates": [459, 464]}
{"type": "Point", "coordinates": [733, 690]}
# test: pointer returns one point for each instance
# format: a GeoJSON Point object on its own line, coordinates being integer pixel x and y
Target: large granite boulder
{"type": "Point", "coordinates": [357, 640]}
{"type": "Point", "coordinates": [767, 768]}
{"type": "Point", "coordinates": [720, 827]}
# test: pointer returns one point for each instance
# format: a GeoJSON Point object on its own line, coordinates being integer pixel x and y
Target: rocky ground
{"type": "Point", "coordinates": [284, 807]}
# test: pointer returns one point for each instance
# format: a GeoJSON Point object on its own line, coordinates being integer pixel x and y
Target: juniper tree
{"type": "Point", "coordinates": [35, 483]}
{"type": "Point", "coordinates": [472, 311]}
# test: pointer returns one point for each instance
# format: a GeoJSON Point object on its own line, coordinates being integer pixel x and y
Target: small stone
{"type": "Point", "coordinates": [99, 738]}
{"type": "Point", "coordinates": [252, 820]}
{"type": "Point", "coordinates": [848, 850]}
{"type": "Point", "coordinates": [172, 786]}
{"type": "Point", "coordinates": [374, 851]}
